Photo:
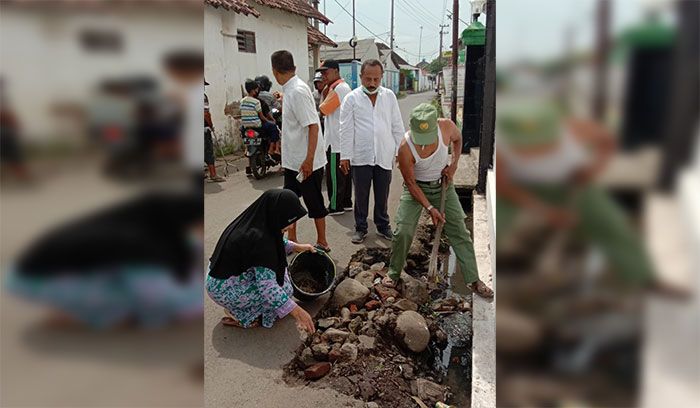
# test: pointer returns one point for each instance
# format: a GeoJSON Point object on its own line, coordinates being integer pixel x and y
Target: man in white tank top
{"type": "Point", "coordinates": [424, 160]}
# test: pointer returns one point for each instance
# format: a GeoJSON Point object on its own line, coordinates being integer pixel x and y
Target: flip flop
{"type": "Point", "coordinates": [231, 322]}
{"type": "Point", "coordinates": [322, 249]}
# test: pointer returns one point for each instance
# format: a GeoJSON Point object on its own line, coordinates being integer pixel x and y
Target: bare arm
{"type": "Point", "coordinates": [511, 191]}
{"type": "Point", "coordinates": [455, 140]}
{"type": "Point", "coordinates": [264, 118]}
{"type": "Point", "coordinates": [313, 141]}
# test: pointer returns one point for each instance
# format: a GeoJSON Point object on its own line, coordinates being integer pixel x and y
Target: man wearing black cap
{"type": "Point", "coordinates": [339, 184]}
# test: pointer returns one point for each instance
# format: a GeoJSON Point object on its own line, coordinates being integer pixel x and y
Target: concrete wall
{"type": "Point", "coordinates": [425, 83]}
{"type": "Point", "coordinates": [44, 63]}
{"type": "Point", "coordinates": [226, 69]}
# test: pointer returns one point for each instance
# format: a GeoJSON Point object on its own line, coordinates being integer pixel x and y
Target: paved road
{"type": "Point", "coordinates": [243, 367]}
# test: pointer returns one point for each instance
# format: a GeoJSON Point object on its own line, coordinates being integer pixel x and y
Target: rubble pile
{"type": "Point", "coordinates": [376, 343]}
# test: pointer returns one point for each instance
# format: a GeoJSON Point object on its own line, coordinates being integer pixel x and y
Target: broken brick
{"type": "Point", "coordinates": [317, 371]}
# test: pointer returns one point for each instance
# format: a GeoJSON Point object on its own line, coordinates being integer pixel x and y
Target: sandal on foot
{"type": "Point", "coordinates": [481, 289]}
{"type": "Point", "coordinates": [230, 321]}
{"type": "Point", "coordinates": [322, 248]}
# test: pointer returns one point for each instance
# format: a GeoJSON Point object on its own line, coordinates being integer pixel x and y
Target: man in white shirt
{"type": "Point", "coordinates": [371, 130]}
{"type": "Point", "coordinates": [338, 184]}
{"type": "Point", "coordinates": [302, 144]}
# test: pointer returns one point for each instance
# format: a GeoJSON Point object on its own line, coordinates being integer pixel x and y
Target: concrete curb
{"type": "Point", "coordinates": [483, 311]}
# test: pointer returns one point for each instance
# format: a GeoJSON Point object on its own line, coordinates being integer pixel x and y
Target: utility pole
{"type": "Point", "coordinates": [455, 55]}
{"type": "Point", "coordinates": [486, 148]}
{"type": "Point", "coordinates": [420, 43]}
{"type": "Point", "coordinates": [391, 37]}
{"type": "Point", "coordinates": [440, 54]}
{"type": "Point", "coordinates": [598, 106]}
{"type": "Point", "coordinates": [324, 13]}
{"type": "Point", "coordinates": [354, 57]}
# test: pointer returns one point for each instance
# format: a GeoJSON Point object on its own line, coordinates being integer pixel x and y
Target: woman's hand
{"type": "Point", "coordinates": [304, 321]}
{"type": "Point", "coordinates": [304, 248]}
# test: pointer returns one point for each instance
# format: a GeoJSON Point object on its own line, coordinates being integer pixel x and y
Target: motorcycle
{"type": "Point", "coordinates": [256, 151]}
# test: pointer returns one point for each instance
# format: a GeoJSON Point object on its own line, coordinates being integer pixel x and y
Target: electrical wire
{"type": "Point", "coordinates": [358, 21]}
{"type": "Point", "coordinates": [431, 20]}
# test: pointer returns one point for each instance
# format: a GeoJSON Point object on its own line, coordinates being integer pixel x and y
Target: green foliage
{"type": "Point", "coordinates": [436, 65]}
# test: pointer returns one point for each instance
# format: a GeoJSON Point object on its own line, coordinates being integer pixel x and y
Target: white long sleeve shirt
{"type": "Point", "coordinates": [370, 135]}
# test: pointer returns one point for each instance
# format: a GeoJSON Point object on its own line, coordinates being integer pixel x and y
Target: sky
{"type": "Point", "coordinates": [525, 28]}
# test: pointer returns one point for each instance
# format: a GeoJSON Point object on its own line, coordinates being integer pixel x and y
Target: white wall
{"type": "Point", "coordinates": [44, 63]}
{"type": "Point", "coordinates": [226, 69]}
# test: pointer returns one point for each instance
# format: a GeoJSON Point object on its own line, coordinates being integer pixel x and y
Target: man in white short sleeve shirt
{"type": "Point", "coordinates": [302, 144]}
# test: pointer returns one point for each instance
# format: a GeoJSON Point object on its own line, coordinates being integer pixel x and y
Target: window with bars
{"type": "Point", "coordinates": [246, 41]}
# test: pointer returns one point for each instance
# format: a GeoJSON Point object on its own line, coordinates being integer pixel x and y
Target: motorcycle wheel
{"type": "Point", "coordinates": [258, 165]}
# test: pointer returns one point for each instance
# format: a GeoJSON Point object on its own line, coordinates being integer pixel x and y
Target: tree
{"type": "Point", "coordinates": [436, 65]}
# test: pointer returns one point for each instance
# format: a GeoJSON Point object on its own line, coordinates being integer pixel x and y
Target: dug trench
{"type": "Point", "coordinates": [391, 347]}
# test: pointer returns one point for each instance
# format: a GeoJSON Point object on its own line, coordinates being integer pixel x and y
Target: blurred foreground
{"type": "Point", "coordinates": [101, 208]}
{"type": "Point", "coordinates": [598, 168]}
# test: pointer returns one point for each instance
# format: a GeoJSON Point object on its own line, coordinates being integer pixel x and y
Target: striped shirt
{"type": "Point", "coordinates": [250, 107]}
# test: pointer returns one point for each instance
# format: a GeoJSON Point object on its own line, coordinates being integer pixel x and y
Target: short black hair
{"type": "Point", "coordinates": [251, 85]}
{"type": "Point", "coordinates": [283, 61]}
{"type": "Point", "coordinates": [371, 63]}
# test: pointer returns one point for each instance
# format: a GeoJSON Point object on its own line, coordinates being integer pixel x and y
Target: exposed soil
{"type": "Point", "coordinates": [388, 373]}
{"type": "Point", "coordinates": [304, 281]}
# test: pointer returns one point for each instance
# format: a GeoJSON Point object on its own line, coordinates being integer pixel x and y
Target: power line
{"type": "Point", "coordinates": [427, 11]}
{"type": "Point", "coordinates": [419, 12]}
{"type": "Point", "coordinates": [358, 21]}
{"type": "Point", "coordinates": [340, 12]}
{"type": "Point", "coordinates": [413, 16]}
{"type": "Point", "coordinates": [449, 14]}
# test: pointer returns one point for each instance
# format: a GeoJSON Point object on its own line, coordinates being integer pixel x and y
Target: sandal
{"type": "Point", "coordinates": [481, 289]}
{"type": "Point", "coordinates": [232, 322]}
{"type": "Point", "coordinates": [322, 248]}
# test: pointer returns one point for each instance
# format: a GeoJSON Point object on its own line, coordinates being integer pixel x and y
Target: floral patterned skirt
{"type": "Point", "coordinates": [253, 294]}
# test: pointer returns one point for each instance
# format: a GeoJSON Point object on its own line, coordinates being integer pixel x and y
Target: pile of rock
{"type": "Point", "coordinates": [372, 341]}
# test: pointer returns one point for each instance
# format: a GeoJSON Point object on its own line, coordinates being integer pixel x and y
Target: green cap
{"type": "Point", "coordinates": [424, 124]}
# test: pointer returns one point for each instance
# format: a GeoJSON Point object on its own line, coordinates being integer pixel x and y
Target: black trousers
{"type": "Point", "coordinates": [366, 178]}
{"type": "Point", "coordinates": [339, 185]}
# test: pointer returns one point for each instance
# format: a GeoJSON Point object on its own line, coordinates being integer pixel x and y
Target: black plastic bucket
{"type": "Point", "coordinates": [312, 275]}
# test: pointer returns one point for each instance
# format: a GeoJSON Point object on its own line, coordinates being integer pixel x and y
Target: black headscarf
{"type": "Point", "coordinates": [151, 229]}
{"type": "Point", "coordinates": [254, 238]}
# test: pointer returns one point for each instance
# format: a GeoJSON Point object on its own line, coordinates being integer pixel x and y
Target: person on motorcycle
{"type": "Point", "coordinates": [265, 95]}
{"type": "Point", "coordinates": [255, 114]}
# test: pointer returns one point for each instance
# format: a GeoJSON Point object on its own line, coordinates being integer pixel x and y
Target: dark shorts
{"type": "Point", "coordinates": [271, 131]}
{"type": "Point", "coordinates": [268, 131]}
{"type": "Point", "coordinates": [209, 158]}
{"type": "Point", "coordinates": [309, 189]}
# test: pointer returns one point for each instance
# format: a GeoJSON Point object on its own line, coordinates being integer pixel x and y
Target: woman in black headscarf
{"type": "Point", "coordinates": [248, 269]}
{"type": "Point", "coordinates": [137, 261]}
